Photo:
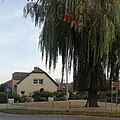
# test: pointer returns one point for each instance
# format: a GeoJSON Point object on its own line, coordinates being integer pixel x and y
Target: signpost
{"type": "Point", "coordinates": [7, 90]}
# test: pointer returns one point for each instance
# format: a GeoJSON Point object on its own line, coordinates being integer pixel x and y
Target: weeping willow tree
{"type": "Point", "coordinates": [84, 32]}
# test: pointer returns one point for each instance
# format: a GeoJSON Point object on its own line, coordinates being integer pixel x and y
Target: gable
{"type": "Point", "coordinates": [36, 71]}
{"type": "Point", "coordinates": [35, 82]}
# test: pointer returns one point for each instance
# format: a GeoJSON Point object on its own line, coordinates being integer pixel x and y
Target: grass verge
{"type": "Point", "coordinates": [52, 112]}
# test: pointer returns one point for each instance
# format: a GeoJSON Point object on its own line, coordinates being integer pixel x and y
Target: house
{"type": "Point", "coordinates": [62, 87]}
{"type": "Point", "coordinates": [25, 83]}
{"type": "Point", "coordinates": [114, 85]}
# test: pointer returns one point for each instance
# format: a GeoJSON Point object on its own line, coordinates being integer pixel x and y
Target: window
{"type": "Point", "coordinates": [35, 81]}
{"type": "Point", "coordinates": [41, 81]}
{"type": "Point", "coordinates": [38, 81]}
{"type": "Point", "coordinates": [22, 92]}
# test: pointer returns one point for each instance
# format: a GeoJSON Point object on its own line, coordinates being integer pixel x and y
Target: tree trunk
{"type": "Point", "coordinates": [92, 98]}
{"type": "Point", "coordinates": [92, 91]}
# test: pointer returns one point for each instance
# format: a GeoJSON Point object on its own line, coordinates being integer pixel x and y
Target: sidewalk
{"type": "Point", "coordinates": [61, 105]}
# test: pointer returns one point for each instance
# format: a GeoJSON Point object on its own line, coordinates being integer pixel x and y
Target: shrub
{"type": "Point", "coordinates": [15, 96]}
{"type": "Point", "coordinates": [30, 99]}
{"type": "Point", "coordinates": [46, 94]}
{"type": "Point", "coordinates": [101, 96]}
{"type": "Point", "coordinates": [42, 99]}
{"type": "Point", "coordinates": [59, 96]}
{"type": "Point", "coordinates": [71, 96]}
{"type": "Point", "coordinates": [80, 95]}
{"type": "Point", "coordinates": [3, 97]}
{"type": "Point", "coordinates": [43, 96]}
{"type": "Point", "coordinates": [23, 98]}
{"type": "Point", "coordinates": [62, 98]}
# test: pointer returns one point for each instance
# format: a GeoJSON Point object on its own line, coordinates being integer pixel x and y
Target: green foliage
{"type": "Point", "coordinates": [113, 95]}
{"type": "Point", "coordinates": [3, 97]}
{"type": "Point", "coordinates": [80, 95]}
{"type": "Point", "coordinates": [71, 96]}
{"type": "Point", "coordinates": [14, 95]}
{"type": "Point", "coordinates": [119, 93]}
{"type": "Point", "coordinates": [2, 87]}
{"type": "Point", "coordinates": [96, 33]}
{"type": "Point", "coordinates": [83, 32]}
{"type": "Point", "coordinates": [23, 98]}
{"type": "Point", "coordinates": [59, 96]}
{"type": "Point", "coordinates": [101, 96]}
{"type": "Point", "coordinates": [46, 94]}
{"type": "Point", "coordinates": [43, 96]}
{"type": "Point", "coordinates": [41, 99]}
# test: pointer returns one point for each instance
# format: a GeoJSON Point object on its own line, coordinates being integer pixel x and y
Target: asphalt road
{"type": "Point", "coordinates": [4, 116]}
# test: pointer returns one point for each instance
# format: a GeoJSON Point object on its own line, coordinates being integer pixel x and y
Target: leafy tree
{"type": "Point", "coordinates": [3, 97]}
{"type": "Point", "coordinates": [83, 31]}
{"type": "Point", "coordinates": [2, 87]}
{"type": "Point", "coordinates": [14, 95]}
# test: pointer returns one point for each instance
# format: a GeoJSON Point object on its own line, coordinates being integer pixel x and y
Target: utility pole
{"type": "Point", "coordinates": [67, 102]}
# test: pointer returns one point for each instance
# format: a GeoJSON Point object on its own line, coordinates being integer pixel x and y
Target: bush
{"type": "Point", "coordinates": [30, 99]}
{"type": "Point", "coordinates": [42, 99]}
{"type": "Point", "coordinates": [46, 94]}
{"type": "Point", "coordinates": [101, 96]}
{"type": "Point", "coordinates": [23, 98]}
{"type": "Point", "coordinates": [3, 97]}
{"type": "Point", "coordinates": [43, 96]}
{"type": "Point", "coordinates": [15, 96]}
{"type": "Point", "coordinates": [59, 96]}
{"type": "Point", "coordinates": [63, 98]}
{"type": "Point", "coordinates": [71, 96]}
{"type": "Point", "coordinates": [80, 95]}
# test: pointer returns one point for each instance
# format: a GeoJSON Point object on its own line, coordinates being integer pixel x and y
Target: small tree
{"type": "Point", "coordinates": [3, 97]}
{"type": "Point", "coordinates": [14, 95]}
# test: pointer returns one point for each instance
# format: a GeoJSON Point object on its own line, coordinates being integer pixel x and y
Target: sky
{"type": "Point", "coordinates": [19, 42]}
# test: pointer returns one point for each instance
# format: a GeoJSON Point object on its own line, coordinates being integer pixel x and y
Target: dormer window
{"type": "Point", "coordinates": [37, 81]}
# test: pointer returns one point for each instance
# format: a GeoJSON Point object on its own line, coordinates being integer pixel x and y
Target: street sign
{"type": "Point", "coordinates": [7, 89]}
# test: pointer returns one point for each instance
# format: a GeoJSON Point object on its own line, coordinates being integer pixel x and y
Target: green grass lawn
{"type": "Point", "coordinates": [52, 112]}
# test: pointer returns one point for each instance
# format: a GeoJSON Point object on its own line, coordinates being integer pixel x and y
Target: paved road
{"type": "Point", "coordinates": [4, 116]}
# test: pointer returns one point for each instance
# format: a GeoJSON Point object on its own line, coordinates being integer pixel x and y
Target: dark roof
{"type": "Point", "coordinates": [62, 87]}
{"type": "Point", "coordinates": [36, 70]}
{"type": "Point", "coordinates": [19, 75]}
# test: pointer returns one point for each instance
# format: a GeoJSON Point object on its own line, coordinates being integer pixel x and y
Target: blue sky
{"type": "Point", "coordinates": [19, 42]}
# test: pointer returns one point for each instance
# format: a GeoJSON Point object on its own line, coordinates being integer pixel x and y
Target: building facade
{"type": "Point", "coordinates": [26, 83]}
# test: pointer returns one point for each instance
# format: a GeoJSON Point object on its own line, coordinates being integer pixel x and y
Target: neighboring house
{"type": "Point", "coordinates": [114, 85]}
{"type": "Point", "coordinates": [25, 83]}
{"type": "Point", "coordinates": [62, 87]}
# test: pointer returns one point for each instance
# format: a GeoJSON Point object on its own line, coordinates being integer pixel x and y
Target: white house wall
{"type": "Point", "coordinates": [28, 86]}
